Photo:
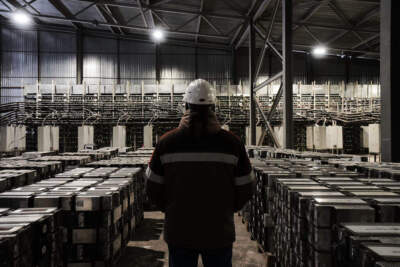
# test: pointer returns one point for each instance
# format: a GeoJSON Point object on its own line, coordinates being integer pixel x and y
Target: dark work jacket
{"type": "Point", "coordinates": [199, 175]}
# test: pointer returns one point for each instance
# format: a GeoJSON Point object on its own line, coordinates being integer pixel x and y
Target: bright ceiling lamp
{"type": "Point", "coordinates": [158, 35]}
{"type": "Point", "coordinates": [21, 18]}
{"type": "Point", "coordinates": [319, 51]}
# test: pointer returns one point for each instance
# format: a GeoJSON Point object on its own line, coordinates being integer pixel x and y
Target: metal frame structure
{"type": "Point", "coordinates": [285, 74]}
{"type": "Point", "coordinates": [249, 26]}
{"type": "Point", "coordinates": [390, 93]}
{"type": "Point", "coordinates": [152, 13]}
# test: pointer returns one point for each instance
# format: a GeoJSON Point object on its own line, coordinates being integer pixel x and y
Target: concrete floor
{"type": "Point", "coordinates": [148, 248]}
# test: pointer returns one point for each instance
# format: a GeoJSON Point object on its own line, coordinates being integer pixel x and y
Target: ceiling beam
{"type": "Point", "coordinates": [366, 41]}
{"type": "Point", "coordinates": [337, 49]}
{"type": "Point", "coordinates": [186, 23]}
{"type": "Point", "coordinates": [326, 26]}
{"type": "Point", "coordinates": [161, 2]}
{"type": "Point", "coordinates": [245, 31]}
{"type": "Point", "coordinates": [257, 7]}
{"type": "Point", "coordinates": [171, 10]}
{"type": "Point", "coordinates": [161, 19]}
{"type": "Point", "coordinates": [261, 9]}
{"type": "Point", "coordinates": [5, 4]}
{"type": "Point", "coordinates": [273, 44]}
{"type": "Point", "coordinates": [116, 16]}
{"type": "Point", "coordinates": [369, 15]}
{"type": "Point", "coordinates": [107, 34]}
{"type": "Point", "coordinates": [229, 4]}
{"type": "Point", "coordinates": [212, 25]}
{"type": "Point", "coordinates": [236, 34]}
{"type": "Point", "coordinates": [199, 21]}
{"type": "Point", "coordinates": [309, 13]}
{"type": "Point", "coordinates": [337, 37]}
{"type": "Point", "coordinates": [85, 8]}
{"type": "Point", "coordinates": [103, 14]}
{"type": "Point", "coordinates": [353, 27]}
{"type": "Point", "coordinates": [311, 34]}
{"type": "Point", "coordinates": [64, 11]}
{"type": "Point", "coordinates": [340, 13]}
{"type": "Point", "coordinates": [343, 17]}
{"type": "Point", "coordinates": [30, 5]}
{"type": "Point", "coordinates": [149, 11]}
{"type": "Point", "coordinates": [142, 13]}
{"type": "Point", "coordinates": [144, 38]}
{"type": "Point", "coordinates": [131, 27]}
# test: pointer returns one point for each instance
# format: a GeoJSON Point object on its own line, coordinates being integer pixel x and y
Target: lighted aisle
{"type": "Point", "coordinates": [149, 249]}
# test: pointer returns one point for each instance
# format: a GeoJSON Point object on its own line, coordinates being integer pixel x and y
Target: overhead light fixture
{"type": "Point", "coordinates": [319, 51]}
{"type": "Point", "coordinates": [21, 18]}
{"type": "Point", "coordinates": [158, 35]}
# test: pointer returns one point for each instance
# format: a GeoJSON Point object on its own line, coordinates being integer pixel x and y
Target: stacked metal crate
{"type": "Point", "coordinates": [30, 237]}
{"type": "Point", "coordinates": [15, 178]}
{"type": "Point", "coordinates": [44, 169]}
{"type": "Point", "coordinates": [100, 221]}
{"type": "Point", "coordinates": [307, 201]}
{"type": "Point", "coordinates": [131, 162]}
{"type": "Point", "coordinates": [98, 211]}
{"type": "Point", "coordinates": [67, 161]}
{"type": "Point", "coordinates": [363, 244]}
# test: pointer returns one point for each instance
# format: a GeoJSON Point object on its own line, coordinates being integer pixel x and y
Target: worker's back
{"type": "Point", "coordinates": [199, 181]}
{"type": "Point", "coordinates": [199, 175]}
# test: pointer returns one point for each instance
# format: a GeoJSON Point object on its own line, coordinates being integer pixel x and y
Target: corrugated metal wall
{"type": "Point", "coordinates": [23, 62]}
{"type": "Point", "coordinates": [57, 57]}
{"type": "Point", "coordinates": [214, 65]}
{"type": "Point", "coordinates": [137, 62]}
{"type": "Point", "coordinates": [19, 61]}
{"type": "Point", "coordinates": [100, 60]}
{"type": "Point", "coordinates": [177, 64]}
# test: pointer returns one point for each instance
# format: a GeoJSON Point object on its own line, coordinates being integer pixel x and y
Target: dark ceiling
{"type": "Point", "coordinates": [348, 27]}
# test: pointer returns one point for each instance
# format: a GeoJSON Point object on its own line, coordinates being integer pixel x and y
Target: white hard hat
{"type": "Point", "coordinates": [199, 92]}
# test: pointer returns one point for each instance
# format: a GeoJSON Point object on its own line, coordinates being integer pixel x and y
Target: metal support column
{"type": "Point", "coordinates": [79, 57]}
{"type": "Point", "coordinates": [38, 54]}
{"type": "Point", "coordinates": [252, 65]}
{"type": "Point", "coordinates": [233, 67]}
{"type": "Point", "coordinates": [347, 69]}
{"type": "Point", "coordinates": [309, 69]}
{"type": "Point", "coordinates": [287, 73]}
{"type": "Point", "coordinates": [1, 60]}
{"type": "Point", "coordinates": [118, 61]}
{"type": "Point", "coordinates": [269, 63]}
{"type": "Point", "coordinates": [390, 142]}
{"type": "Point", "coordinates": [158, 71]}
{"type": "Point", "coordinates": [196, 64]}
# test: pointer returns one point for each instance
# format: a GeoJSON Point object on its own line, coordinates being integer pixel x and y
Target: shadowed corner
{"type": "Point", "coordinates": [138, 257]}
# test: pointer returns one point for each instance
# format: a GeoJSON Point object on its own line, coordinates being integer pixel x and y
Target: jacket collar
{"type": "Point", "coordinates": [212, 126]}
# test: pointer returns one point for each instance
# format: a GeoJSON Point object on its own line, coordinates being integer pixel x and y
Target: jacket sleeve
{"type": "Point", "coordinates": [244, 180]}
{"type": "Point", "coordinates": [155, 186]}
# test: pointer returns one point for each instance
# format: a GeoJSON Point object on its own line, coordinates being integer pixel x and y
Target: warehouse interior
{"type": "Point", "coordinates": [88, 88]}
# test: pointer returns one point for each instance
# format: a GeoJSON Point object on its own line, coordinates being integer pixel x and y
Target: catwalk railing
{"type": "Point", "coordinates": [123, 104]}
{"type": "Point", "coordinates": [119, 105]}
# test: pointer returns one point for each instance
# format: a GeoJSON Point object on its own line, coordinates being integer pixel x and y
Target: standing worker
{"type": "Point", "coordinates": [199, 176]}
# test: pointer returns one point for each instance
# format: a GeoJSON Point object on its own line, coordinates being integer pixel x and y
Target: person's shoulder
{"type": "Point", "coordinates": [169, 135]}
{"type": "Point", "coordinates": [230, 137]}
